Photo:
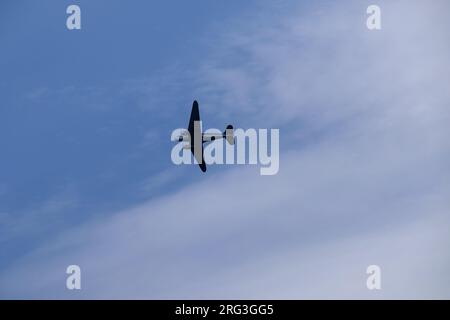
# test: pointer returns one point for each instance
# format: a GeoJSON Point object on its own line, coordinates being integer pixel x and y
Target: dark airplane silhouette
{"type": "Point", "coordinates": [196, 138]}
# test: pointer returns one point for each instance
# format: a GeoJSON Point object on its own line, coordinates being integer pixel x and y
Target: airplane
{"type": "Point", "coordinates": [194, 130]}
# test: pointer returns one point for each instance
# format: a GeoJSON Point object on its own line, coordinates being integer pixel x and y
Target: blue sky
{"type": "Point", "coordinates": [86, 176]}
{"type": "Point", "coordinates": [78, 121]}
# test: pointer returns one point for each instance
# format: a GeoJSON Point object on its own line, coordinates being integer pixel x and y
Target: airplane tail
{"type": "Point", "coordinates": [228, 134]}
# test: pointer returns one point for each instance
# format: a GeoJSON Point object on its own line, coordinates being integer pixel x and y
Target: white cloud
{"type": "Point", "coordinates": [308, 232]}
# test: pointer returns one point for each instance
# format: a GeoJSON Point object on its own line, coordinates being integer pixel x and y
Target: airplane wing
{"type": "Point", "coordinates": [195, 116]}
{"type": "Point", "coordinates": [201, 163]}
{"type": "Point", "coordinates": [195, 131]}
{"type": "Point", "coordinates": [202, 166]}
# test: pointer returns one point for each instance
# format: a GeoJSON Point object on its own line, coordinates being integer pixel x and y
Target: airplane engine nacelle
{"type": "Point", "coordinates": [185, 136]}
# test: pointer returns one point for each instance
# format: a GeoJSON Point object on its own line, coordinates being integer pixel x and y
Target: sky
{"type": "Point", "coordinates": [86, 176]}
